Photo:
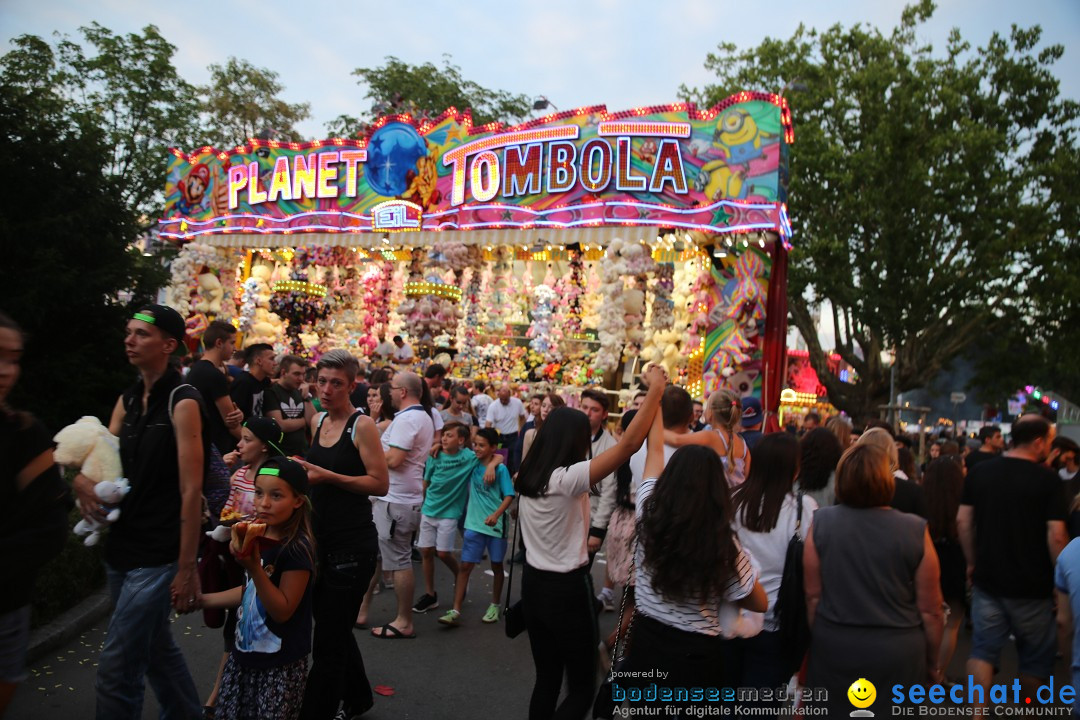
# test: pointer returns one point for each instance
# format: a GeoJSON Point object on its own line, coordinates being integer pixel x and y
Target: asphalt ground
{"type": "Point", "coordinates": [472, 671]}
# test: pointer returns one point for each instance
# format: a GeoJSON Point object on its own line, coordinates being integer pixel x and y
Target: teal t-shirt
{"type": "Point", "coordinates": [485, 499]}
{"type": "Point", "coordinates": [449, 478]}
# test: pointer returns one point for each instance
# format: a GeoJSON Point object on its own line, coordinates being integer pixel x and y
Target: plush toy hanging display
{"type": "Point", "coordinates": [543, 336]}
{"type": "Point", "coordinates": [611, 330]}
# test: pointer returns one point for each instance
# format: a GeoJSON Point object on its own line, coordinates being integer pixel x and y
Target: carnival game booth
{"type": "Point", "coordinates": [803, 390]}
{"type": "Point", "coordinates": [569, 248]}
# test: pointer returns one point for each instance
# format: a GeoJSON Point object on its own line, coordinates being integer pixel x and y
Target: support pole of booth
{"type": "Point", "coordinates": [774, 352]}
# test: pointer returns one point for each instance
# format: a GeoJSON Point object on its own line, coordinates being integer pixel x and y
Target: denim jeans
{"type": "Point", "coordinates": [337, 668]}
{"type": "Point", "coordinates": [139, 646]}
{"type": "Point", "coordinates": [1029, 620]}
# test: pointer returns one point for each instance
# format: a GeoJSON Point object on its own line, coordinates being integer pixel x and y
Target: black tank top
{"type": "Point", "coordinates": [342, 519]}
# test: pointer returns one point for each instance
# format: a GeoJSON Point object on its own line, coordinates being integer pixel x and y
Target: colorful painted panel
{"type": "Point", "coordinates": [733, 346]}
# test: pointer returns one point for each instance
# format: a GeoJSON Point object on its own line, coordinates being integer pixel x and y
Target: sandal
{"type": "Point", "coordinates": [389, 632]}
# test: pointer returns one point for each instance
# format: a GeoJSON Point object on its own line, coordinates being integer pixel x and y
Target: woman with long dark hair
{"type": "Point", "coordinates": [386, 412]}
{"type": "Point", "coordinates": [550, 402]}
{"type": "Point", "coordinates": [553, 484]}
{"type": "Point", "coordinates": [688, 566]}
{"type": "Point", "coordinates": [766, 513]}
{"type": "Point", "coordinates": [34, 501]}
{"type": "Point", "coordinates": [819, 452]}
{"type": "Point", "coordinates": [943, 485]}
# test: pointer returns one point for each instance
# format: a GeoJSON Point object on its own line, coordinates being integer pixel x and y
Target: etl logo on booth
{"type": "Point", "coordinates": [958, 699]}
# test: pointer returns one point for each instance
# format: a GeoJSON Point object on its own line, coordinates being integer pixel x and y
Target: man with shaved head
{"type": "Point", "coordinates": [506, 415]}
{"type": "Point", "coordinates": [406, 443]}
{"type": "Point", "coordinates": [1011, 524]}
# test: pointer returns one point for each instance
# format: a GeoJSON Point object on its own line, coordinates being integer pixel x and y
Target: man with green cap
{"type": "Point", "coordinates": [150, 552]}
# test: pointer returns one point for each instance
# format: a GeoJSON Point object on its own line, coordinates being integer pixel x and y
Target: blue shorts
{"type": "Point", "coordinates": [1030, 620]}
{"type": "Point", "coordinates": [472, 547]}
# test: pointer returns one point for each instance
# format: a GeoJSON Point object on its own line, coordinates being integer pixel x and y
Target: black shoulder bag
{"type": "Point", "coordinates": [513, 615]}
{"type": "Point", "coordinates": [603, 705]}
{"type": "Point", "coordinates": [791, 602]}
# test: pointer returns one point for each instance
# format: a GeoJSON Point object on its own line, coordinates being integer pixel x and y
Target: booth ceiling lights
{"type": "Point", "coordinates": [300, 286]}
{"type": "Point", "coordinates": [419, 289]}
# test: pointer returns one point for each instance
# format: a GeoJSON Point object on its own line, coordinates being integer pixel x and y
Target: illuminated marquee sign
{"type": "Point", "coordinates": [719, 170]}
{"type": "Point", "coordinates": [397, 216]}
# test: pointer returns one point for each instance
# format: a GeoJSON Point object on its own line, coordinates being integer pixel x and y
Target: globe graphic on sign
{"type": "Point", "coordinates": [393, 152]}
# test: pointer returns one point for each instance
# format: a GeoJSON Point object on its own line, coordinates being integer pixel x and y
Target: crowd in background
{"type": "Point", "coordinates": [827, 552]}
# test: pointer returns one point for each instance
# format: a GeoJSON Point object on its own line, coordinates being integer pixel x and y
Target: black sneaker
{"type": "Point", "coordinates": [425, 603]}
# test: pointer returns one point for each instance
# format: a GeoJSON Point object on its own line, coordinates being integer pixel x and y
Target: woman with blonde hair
{"type": "Point", "coordinates": [723, 412]}
{"type": "Point", "coordinates": [907, 496]}
{"type": "Point", "coordinates": [840, 427]}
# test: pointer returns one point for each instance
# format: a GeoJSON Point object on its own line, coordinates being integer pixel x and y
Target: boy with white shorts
{"type": "Point", "coordinates": [485, 526]}
{"type": "Point", "coordinates": [446, 487]}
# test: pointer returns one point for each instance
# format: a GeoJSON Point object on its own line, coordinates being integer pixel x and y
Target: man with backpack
{"type": "Point", "coordinates": [150, 551]}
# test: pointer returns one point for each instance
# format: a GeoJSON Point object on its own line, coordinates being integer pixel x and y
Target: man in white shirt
{"type": "Point", "coordinates": [677, 409]}
{"type": "Point", "coordinates": [403, 352]}
{"type": "Point", "coordinates": [384, 350]}
{"type": "Point", "coordinates": [506, 415]}
{"type": "Point", "coordinates": [406, 443]}
{"type": "Point", "coordinates": [595, 404]}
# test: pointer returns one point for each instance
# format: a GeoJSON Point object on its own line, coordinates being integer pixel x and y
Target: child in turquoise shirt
{"type": "Point", "coordinates": [485, 527]}
{"type": "Point", "coordinates": [446, 487]}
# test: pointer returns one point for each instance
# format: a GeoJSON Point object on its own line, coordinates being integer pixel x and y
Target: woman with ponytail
{"type": "Point", "coordinates": [723, 412]}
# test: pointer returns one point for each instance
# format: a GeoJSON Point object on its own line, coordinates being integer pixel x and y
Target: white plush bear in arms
{"type": "Point", "coordinates": [89, 447]}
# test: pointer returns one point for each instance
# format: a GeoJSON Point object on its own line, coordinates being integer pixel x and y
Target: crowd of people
{"type": "Point", "coordinates": [721, 542]}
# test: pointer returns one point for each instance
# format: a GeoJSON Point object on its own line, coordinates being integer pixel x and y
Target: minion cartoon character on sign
{"type": "Point", "coordinates": [862, 694]}
{"type": "Point", "coordinates": [738, 140]}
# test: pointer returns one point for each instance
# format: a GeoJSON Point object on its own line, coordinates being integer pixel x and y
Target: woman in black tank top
{"type": "Point", "coordinates": [345, 466]}
{"type": "Point", "coordinates": [342, 517]}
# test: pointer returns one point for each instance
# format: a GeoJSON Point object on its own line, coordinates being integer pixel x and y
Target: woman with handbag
{"type": "Point", "coordinates": [690, 570]}
{"type": "Point", "coordinates": [767, 516]}
{"type": "Point", "coordinates": [872, 592]}
{"type": "Point", "coordinates": [553, 485]}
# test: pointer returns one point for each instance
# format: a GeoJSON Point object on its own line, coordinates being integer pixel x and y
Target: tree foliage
{"type": "Point", "coordinates": [67, 230]}
{"type": "Point", "coordinates": [426, 90]}
{"type": "Point", "coordinates": [242, 101]}
{"type": "Point", "coordinates": [127, 86]}
{"type": "Point", "coordinates": [929, 190]}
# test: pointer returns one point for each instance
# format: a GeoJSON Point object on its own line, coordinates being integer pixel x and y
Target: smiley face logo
{"type": "Point", "coordinates": [862, 694]}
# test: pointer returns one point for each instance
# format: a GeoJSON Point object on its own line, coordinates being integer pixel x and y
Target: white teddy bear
{"type": "Point", "coordinates": [210, 294]}
{"type": "Point", "coordinates": [89, 447]}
